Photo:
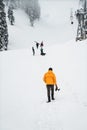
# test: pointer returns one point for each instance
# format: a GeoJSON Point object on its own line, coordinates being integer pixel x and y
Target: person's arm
{"type": "Point", "coordinates": [44, 79]}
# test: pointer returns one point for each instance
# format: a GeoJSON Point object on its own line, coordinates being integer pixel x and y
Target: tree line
{"type": "Point", "coordinates": [31, 7]}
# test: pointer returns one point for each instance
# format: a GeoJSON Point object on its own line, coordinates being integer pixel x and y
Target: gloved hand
{"type": "Point", "coordinates": [57, 88]}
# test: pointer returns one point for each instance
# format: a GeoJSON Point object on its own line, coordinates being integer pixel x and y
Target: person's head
{"type": "Point", "coordinates": [50, 69]}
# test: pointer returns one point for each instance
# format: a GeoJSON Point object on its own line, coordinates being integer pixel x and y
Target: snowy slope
{"type": "Point", "coordinates": [54, 26]}
{"type": "Point", "coordinates": [22, 91]}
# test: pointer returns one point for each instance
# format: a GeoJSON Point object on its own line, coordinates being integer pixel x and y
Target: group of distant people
{"type": "Point", "coordinates": [38, 46]}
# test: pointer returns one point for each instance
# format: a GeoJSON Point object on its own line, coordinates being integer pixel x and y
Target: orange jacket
{"type": "Point", "coordinates": [49, 78]}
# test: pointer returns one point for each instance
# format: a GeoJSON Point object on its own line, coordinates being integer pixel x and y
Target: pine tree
{"type": "Point", "coordinates": [10, 15]}
{"type": "Point", "coordinates": [12, 3]}
{"type": "Point", "coordinates": [3, 28]}
{"type": "Point", "coordinates": [32, 8]}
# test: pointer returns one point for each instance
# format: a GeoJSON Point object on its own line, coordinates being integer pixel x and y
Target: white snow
{"type": "Point", "coordinates": [22, 90]}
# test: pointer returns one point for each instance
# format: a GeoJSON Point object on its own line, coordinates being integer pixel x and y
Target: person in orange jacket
{"type": "Point", "coordinates": [50, 80]}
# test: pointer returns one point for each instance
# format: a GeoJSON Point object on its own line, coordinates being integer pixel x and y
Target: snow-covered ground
{"type": "Point", "coordinates": [22, 91]}
{"type": "Point", "coordinates": [54, 26]}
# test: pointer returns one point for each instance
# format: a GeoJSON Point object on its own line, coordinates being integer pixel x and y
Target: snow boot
{"type": "Point", "coordinates": [48, 101]}
{"type": "Point", "coordinates": [53, 98]}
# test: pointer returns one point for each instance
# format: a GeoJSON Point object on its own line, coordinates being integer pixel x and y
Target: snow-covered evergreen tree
{"type": "Point", "coordinates": [3, 28]}
{"type": "Point", "coordinates": [6, 2]}
{"type": "Point", "coordinates": [10, 15]}
{"type": "Point", "coordinates": [83, 4]}
{"type": "Point", "coordinates": [32, 8]}
{"type": "Point", "coordinates": [13, 3]}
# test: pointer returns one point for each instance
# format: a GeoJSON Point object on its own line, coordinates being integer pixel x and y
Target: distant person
{"type": "Point", "coordinates": [33, 50]}
{"type": "Point", "coordinates": [41, 45]}
{"type": "Point", "coordinates": [42, 52]}
{"type": "Point", "coordinates": [50, 80]}
{"type": "Point", "coordinates": [37, 44]}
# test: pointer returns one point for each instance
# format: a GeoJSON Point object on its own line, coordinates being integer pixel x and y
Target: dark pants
{"type": "Point", "coordinates": [50, 91]}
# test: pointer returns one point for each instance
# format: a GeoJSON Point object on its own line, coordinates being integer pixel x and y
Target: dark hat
{"type": "Point", "coordinates": [50, 69]}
